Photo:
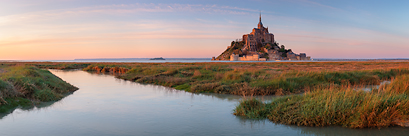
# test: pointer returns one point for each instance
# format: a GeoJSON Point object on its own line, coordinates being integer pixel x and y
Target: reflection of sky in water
{"type": "Point", "coordinates": [108, 106]}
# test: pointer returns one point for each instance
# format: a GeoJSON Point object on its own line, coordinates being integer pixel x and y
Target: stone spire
{"type": "Point", "coordinates": [260, 25]}
{"type": "Point", "coordinates": [260, 17]}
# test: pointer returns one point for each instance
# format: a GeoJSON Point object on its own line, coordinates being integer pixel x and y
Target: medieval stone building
{"type": "Point", "coordinates": [258, 36]}
{"type": "Point", "coordinates": [259, 45]}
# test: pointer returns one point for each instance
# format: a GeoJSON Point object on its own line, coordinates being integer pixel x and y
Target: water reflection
{"type": "Point", "coordinates": [107, 106]}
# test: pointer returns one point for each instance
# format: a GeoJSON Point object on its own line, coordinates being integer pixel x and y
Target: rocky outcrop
{"type": "Point", "coordinates": [235, 48]}
{"type": "Point", "coordinates": [266, 51]}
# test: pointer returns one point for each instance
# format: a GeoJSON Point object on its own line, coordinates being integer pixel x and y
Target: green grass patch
{"type": "Point", "coordinates": [12, 103]}
{"type": "Point", "coordinates": [21, 83]}
{"type": "Point", "coordinates": [185, 87]}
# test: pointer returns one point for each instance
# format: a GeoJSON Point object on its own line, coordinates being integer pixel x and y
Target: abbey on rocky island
{"type": "Point", "coordinates": [259, 45]}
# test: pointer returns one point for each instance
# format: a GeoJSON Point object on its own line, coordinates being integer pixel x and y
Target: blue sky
{"type": "Point", "coordinates": [70, 29]}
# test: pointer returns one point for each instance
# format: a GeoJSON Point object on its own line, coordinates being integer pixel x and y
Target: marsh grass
{"type": "Point", "coordinates": [342, 106]}
{"type": "Point", "coordinates": [12, 103]}
{"type": "Point", "coordinates": [21, 83]}
{"type": "Point", "coordinates": [279, 78]}
{"type": "Point", "coordinates": [62, 66]}
{"type": "Point", "coordinates": [261, 78]}
{"type": "Point", "coordinates": [329, 96]}
{"type": "Point", "coordinates": [7, 90]}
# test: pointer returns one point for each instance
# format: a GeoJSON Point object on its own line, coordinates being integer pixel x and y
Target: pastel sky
{"type": "Point", "coordinates": [72, 29]}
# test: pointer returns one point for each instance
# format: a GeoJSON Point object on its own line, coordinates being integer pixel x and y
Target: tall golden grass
{"type": "Point", "coordinates": [343, 106]}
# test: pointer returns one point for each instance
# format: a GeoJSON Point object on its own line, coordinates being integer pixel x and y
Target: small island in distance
{"type": "Point", "coordinates": [259, 45]}
{"type": "Point", "coordinates": [160, 58]}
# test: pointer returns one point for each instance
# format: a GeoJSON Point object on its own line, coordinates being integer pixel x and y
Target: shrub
{"type": "Point", "coordinates": [252, 108]}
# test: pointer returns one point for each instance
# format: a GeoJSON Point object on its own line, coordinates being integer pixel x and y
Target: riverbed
{"type": "Point", "coordinates": [106, 106]}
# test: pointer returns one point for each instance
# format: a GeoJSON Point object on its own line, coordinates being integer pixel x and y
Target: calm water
{"type": "Point", "coordinates": [105, 106]}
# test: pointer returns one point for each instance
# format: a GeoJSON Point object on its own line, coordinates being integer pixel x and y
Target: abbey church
{"type": "Point", "coordinates": [259, 45]}
{"type": "Point", "coordinates": [259, 35]}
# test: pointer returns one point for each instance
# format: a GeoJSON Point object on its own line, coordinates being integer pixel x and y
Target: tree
{"type": "Point", "coordinates": [282, 49]}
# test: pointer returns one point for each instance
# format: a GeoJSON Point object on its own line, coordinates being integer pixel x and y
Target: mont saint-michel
{"type": "Point", "coordinates": [259, 45]}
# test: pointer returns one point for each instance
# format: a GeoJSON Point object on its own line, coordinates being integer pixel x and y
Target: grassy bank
{"type": "Point", "coordinates": [242, 78]}
{"type": "Point", "coordinates": [254, 78]}
{"type": "Point", "coordinates": [340, 106]}
{"type": "Point", "coordinates": [22, 85]}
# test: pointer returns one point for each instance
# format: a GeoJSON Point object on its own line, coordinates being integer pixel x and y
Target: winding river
{"type": "Point", "coordinates": [106, 106]}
